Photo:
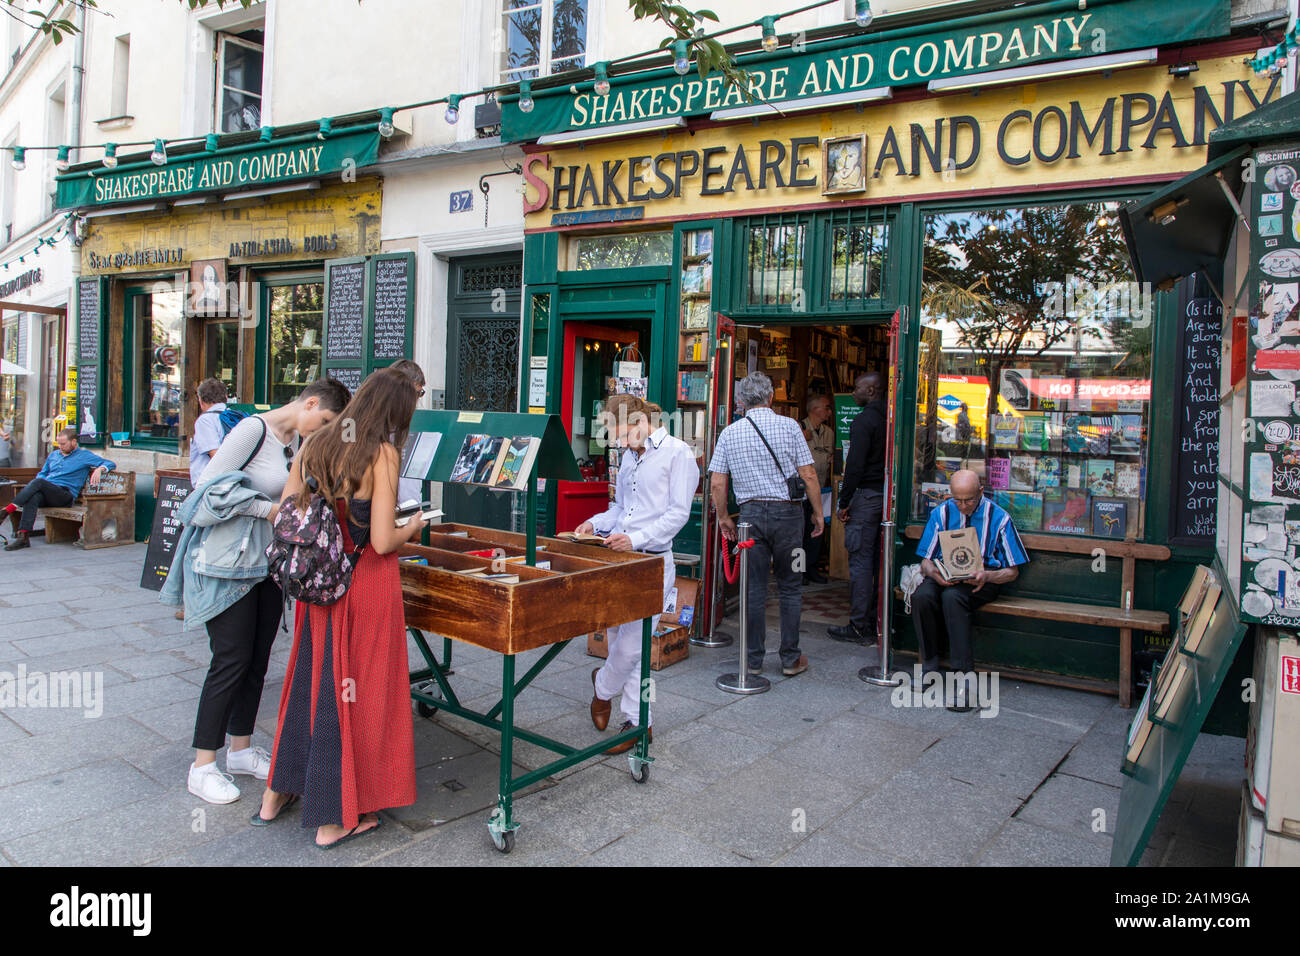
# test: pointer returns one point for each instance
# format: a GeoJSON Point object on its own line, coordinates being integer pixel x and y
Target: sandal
{"type": "Point", "coordinates": [356, 831]}
{"type": "Point", "coordinates": [258, 820]}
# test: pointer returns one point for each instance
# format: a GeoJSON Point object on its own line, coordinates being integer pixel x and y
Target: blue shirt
{"type": "Point", "coordinates": [999, 540]}
{"type": "Point", "coordinates": [71, 471]}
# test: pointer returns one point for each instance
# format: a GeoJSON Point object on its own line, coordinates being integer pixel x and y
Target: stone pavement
{"type": "Point", "coordinates": [821, 770]}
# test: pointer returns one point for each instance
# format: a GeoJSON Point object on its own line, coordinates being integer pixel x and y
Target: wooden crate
{"type": "Point", "coordinates": [586, 588]}
{"type": "Point", "coordinates": [671, 641]}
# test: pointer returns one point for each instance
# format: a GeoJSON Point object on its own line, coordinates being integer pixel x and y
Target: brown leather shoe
{"type": "Point", "coordinates": [599, 708]}
{"type": "Point", "coordinates": [627, 745]}
{"type": "Point", "coordinates": [798, 667]}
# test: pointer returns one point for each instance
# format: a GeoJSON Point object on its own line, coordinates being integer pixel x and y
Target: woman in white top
{"type": "Point", "coordinates": [262, 447]}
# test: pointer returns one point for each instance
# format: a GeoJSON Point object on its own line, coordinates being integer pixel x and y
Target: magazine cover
{"type": "Point", "coordinates": [999, 473]}
{"type": "Point", "coordinates": [1109, 519]}
{"type": "Point", "coordinates": [1101, 477]}
{"type": "Point", "coordinates": [1072, 474]}
{"type": "Point", "coordinates": [515, 462]}
{"type": "Point", "coordinates": [1054, 423]}
{"type": "Point", "coordinates": [1098, 435]}
{"type": "Point", "coordinates": [1069, 515]}
{"type": "Point", "coordinates": [1022, 473]}
{"type": "Point", "coordinates": [467, 460]}
{"type": "Point", "coordinates": [487, 460]}
{"type": "Point", "coordinates": [1074, 436]}
{"type": "Point", "coordinates": [1049, 473]}
{"type": "Point", "coordinates": [1128, 479]}
{"type": "Point", "coordinates": [1026, 509]}
{"type": "Point", "coordinates": [1033, 433]}
{"type": "Point", "coordinates": [1126, 435]}
{"type": "Point", "coordinates": [932, 493]}
{"type": "Point", "coordinates": [1006, 431]}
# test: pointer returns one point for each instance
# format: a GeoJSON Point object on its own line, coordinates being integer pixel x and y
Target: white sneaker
{"type": "Point", "coordinates": [252, 761]}
{"type": "Point", "coordinates": [210, 784]}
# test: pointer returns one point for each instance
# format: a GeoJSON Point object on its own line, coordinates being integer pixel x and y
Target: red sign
{"type": "Point", "coordinates": [1269, 359]}
{"type": "Point", "coordinates": [1097, 389]}
{"type": "Point", "coordinates": [1290, 675]}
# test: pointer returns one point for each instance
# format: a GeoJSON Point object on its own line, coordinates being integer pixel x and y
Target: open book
{"type": "Point", "coordinates": [573, 536]}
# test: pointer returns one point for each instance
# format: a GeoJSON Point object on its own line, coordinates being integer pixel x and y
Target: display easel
{"type": "Point", "coordinates": [585, 588]}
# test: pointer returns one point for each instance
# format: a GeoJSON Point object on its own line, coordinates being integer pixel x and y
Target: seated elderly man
{"type": "Point", "coordinates": [940, 605]}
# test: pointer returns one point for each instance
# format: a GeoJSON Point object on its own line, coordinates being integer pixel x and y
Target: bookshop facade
{"type": "Point", "coordinates": [265, 289]}
{"type": "Point", "coordinates": [987, 221]}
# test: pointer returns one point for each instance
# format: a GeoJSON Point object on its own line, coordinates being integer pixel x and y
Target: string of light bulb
{"type": "Point", "coordinates": [1271, 62]}
{"type": "Point", "coordinates": [681, 51]}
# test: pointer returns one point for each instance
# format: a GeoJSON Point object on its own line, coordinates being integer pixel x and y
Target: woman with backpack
{"type": "Point", "coordinates": [344, 742]}
{"type": "Point", "coordinates": [240, 604]}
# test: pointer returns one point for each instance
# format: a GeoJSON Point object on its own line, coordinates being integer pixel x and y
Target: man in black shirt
{"type": "Point", "coordinates": [862, 501]}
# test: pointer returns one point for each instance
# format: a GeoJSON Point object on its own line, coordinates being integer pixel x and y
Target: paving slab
{"type": "Point", "coordinates": [1047, 847]}
{"type": "Point", "coordinates": [1069, 805]}
{"type": "Point", "coordinates": [996, 758]}
{"type": "Point", "coordinates": [857, 749]}
{"type": "Point", "coordinates": [823, 849]}
{"type": "Point", "coordinates": [46, 802]}
{"type": "Point", "coordinates": [466, 842]}
{"type": "Point", "coordinates": [660, 845]}
{"type": "Point", "coordinates": [29, 757]}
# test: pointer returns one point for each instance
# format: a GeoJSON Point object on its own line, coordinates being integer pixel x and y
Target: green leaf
{"type": "Point", "coordinates": [707, 15]}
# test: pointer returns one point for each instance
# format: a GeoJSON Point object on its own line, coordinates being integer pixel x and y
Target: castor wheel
{"type": "Point", "coordinates": [425, 710]}
{"type": "Point", "coordinates": [642, 774]}
{"type": "Point", "coordinates": [505, 842]}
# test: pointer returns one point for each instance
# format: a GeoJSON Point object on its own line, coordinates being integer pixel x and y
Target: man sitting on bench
{"type": "Point", "coordinates": [57, 484]}
{"type": "Point", "coordinates": [940, 605]}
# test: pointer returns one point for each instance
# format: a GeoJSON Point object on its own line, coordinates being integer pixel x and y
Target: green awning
{"type": "Point", "coordinates": [1197, 237]}
{"type": "Point", "coordinates": [1276, 120]}
{"type": "Point", "coordinates": [240, 161]}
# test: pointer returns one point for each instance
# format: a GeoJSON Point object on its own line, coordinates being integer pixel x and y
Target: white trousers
{"type": "Point", "coordinates": [622, 670]}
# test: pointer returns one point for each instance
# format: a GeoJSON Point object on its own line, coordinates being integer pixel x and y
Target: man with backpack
{"type": "Point", "coordinates": [212, 425]}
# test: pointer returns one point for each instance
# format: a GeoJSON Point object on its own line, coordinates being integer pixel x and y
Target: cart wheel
{"type": "Point", "coordinates": [504, 842]}
{"type": "Point", "coordinates": [425, 710]}
{"type": "Point", "coordinates": [641, 775]}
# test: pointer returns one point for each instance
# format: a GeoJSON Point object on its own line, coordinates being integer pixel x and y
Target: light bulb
{"type": "Point", "coordinates": [525, 96]}
{"type": "Point", "coordinates": [601, 86]}
{"type": "Point", "coordinates": [770, 40]}
{"type": "Point", "coordinates": [863, 15]}
{"type": "Point", "coordinates": [266, 134]}
{"type": "Point", "coordinates": [159, 155]}
{"type": "Point", "coordinates": [20, 161]}
{"type": "Point", "coordinates": [453, 109]}
{"type": "Point", "coordinates": [110, 155]}
{"type": "Point", "coordinates": [325, 129]}
{"type": "Point", "coordinates": [61, 162]}
{"type": "Point", "coordinates": [386, 128]}
{"type": "Point", "coordinates": [681, 58]}
{"type": "Point", "coordinates": [210, 142]}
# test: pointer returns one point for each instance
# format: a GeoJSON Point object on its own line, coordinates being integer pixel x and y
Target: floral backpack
{"type": "Point", "coordinates": [311, 554]}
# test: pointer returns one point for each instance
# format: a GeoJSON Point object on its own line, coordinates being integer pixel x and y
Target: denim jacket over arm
{"type": "Point", "coordinates": [221, 553]}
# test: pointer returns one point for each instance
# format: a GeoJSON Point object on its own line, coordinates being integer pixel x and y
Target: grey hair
{"type": "Point", "coordinates": [816, 400]}
{"type": "Point", "coordinates": [754, 389]}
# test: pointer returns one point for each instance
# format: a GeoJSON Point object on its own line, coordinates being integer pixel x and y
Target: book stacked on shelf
{"type": "Point", "coordinates": [496, 462]}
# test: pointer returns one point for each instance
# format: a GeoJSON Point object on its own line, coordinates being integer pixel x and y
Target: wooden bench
{"type": "Point", "coordinates": [99, 517]}
{"type": "Point", "coordinates": [20, 478]}
{"type": "Point", "coordinates": [1122, 616]}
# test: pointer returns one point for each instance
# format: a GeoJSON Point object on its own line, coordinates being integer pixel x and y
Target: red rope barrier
{"type": "Point", "coordinates": [732, 571]}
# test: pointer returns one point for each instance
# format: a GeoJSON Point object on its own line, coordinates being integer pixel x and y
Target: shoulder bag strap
{"type": "Point", "coordinates": [257, 447]}
{"type": "Point", "coordinates": [767, 446]}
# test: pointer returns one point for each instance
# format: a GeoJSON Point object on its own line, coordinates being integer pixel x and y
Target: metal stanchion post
{"type": "Point", "coordinates": [744, 682]}
{"type": "Point", "coordinates": [869, 675]}
{"type": "Point", "coordinates": [713, 638]}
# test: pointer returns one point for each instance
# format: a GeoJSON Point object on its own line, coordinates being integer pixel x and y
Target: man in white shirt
{"type": "Point", "coordinates": [654, 491]}
{"type": "Point", "coordinates": [208, 432]}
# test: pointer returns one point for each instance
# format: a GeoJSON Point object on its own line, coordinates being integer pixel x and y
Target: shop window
{"type": "Point", "coordinates": [158, 338]}
{"type": "Point", "coordinates": [121, 76]}
{"type": "Point", "coordinates": [1035, 367]}
{"type": "Point", "coordinates": [12, 413]}
{"type": "Point", "coordinates": [239, 82]}
{"type": "Point", "coordinates": [774, 252]}
{"type": "Point", "coordinates": [622, 251]}
{"type": "Point", "coordinates": [858, 239]}
{"type": "Point", "coordinates": [221, 354]}
{"type": "Point", "coordinates": [542, 37]}
{"type": "Point", "coordinates": [297, 331]}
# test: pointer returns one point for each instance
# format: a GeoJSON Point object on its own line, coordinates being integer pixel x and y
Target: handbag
{"type": "Point", "coordinates": [794, 483]}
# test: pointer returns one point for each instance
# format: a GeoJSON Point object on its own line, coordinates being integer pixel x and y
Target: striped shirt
{"type": "Point", "coordinates": [999, 540]}
{"type": "Point", "coordinates": [740, 453]}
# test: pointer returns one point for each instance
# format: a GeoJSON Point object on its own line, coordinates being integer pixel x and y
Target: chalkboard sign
{"type": "Point", "coordinates": [88, 401]}
{"type": "Point", "coordinates": [166, 532]}
{"type": "Point", "coordinates": [345, 310]}
{"type": "Point", "coordinates": [351, 377]}
{"type": "Point", "coordinates": [88, 321]}
{"type": "Point", "coordinates": [1195, 501]}
{"type": "Point", "coordinates": [392, 306]}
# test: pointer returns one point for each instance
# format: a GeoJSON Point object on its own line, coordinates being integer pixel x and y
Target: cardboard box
{"type": "Point", "coordinates": [671, 641]}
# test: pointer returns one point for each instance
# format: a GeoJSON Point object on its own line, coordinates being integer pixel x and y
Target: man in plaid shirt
{"type": "Point", "coordinates": [776, 522]}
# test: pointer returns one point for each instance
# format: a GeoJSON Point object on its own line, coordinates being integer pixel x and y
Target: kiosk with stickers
{"type": "Point", "coordinates": [510, 592]}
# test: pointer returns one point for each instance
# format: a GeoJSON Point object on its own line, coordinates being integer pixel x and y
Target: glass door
{"type": "Point", "coordinates": [292, 337]}
{"type": "Point", "coordinates": [221, 354]}
{"type": "Point", "coordinates": [156, 350]}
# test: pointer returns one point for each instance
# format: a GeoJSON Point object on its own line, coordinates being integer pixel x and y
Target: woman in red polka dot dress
{"type": "Point", "coordinates": [344, 743]}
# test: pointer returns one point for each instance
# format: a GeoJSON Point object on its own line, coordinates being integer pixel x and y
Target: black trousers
{"type": "Point", "coordinates": [39, 493]}
{"type": "Point", "coordinates": [936, 610]}
{"type": "Point", "coordinates": [241, 637]}
{"type": "Point", "coordinates": [812, 547]}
